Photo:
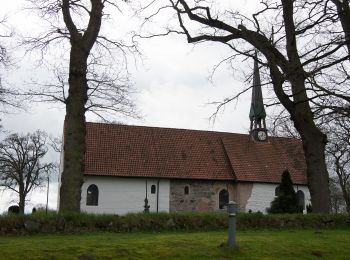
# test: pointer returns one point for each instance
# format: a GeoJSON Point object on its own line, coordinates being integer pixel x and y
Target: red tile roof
{"type": "Point", "coordinates": [139, 151]}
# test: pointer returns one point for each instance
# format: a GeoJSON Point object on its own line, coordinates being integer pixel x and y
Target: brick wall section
{"type": "Point", "coordinates": [203, 195]}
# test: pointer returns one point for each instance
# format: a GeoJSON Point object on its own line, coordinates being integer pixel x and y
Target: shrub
{"type": "Point", "coordinates": [158, 222]}
{"type": "Point", "coordinates": [13, 209]}
{"type": "Point", "coordinates": [286, 200]}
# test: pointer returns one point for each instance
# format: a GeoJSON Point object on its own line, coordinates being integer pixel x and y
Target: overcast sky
{"type": "Point", "coordinates": [171, 80]}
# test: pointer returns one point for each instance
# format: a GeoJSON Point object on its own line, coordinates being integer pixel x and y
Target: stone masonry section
{"type": "Point", "coordinates": [202, 195]}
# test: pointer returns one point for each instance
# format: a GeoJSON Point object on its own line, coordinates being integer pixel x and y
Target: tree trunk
{"type": "Point", "coordinates": [21, 203]}
{"type": "Point", "coordinates": [343, 11]}
{"type": "Point", "coordinates": [75, 125]}
{"type": "Point", "coordinates": [314, 144]}
{"type": "Point", "coordinates": [345, 195]}
{"type": "Point", "coordinates": [318, 181]}
{"type": "Point", "coordinates": [347, 201]}
{"type": "Point", "coordinates": [74, 136]}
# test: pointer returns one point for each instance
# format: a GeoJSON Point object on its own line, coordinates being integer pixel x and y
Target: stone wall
{"type": "Point", "coordinates": [202, 195]}
{"type": "Point", "coordinates": [242, 194]}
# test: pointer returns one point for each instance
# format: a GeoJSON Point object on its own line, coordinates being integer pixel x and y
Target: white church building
{"type": "Point", "coordinates": [185, 170]}
{"type": "Point", "coordinates": [188, 170]}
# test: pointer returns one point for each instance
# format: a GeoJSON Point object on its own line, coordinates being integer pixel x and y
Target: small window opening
{"type": "Point", "coordinates": [186, 190]}
{"type": "Point", "coordinates": [92, 195]}
{"type": "Point", "coordinates": [223, 199]}
{"type": "Point", "coordinates": [153, 189]}
{"type": "Point", "coordinates": [301, 200]}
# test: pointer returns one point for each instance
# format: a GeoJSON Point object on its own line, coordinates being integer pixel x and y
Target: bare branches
{"type": "Point", "coordinates": [106, 69]}
{"type": "Point", "coordinates": [8, 95]}
{"type": "Point", "coordinates": [21, 169]}
{"type": "Point", "coordinates": [338, 154]}
{"type": "Point", "coordinates": [314, 22]}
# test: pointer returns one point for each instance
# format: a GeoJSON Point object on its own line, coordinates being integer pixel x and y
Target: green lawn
{"type": "Point", "coordinates": [293, 244]}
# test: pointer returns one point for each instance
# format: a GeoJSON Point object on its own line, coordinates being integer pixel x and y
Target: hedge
{"type": "Point", "coordinates": [152, 222]}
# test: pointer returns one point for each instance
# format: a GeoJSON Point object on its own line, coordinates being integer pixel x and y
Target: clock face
{"type": "Point", "coordinates": [262, 136]}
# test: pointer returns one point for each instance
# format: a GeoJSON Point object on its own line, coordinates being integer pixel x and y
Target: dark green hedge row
{"type": "Point", "coordinates": [69, 223]}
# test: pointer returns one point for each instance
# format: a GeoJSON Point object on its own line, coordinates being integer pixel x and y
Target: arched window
{"type": "Point", "coordinates": [186, 190]}
{"type": "Point", "coordinates": [92, 195]}
{"type": "Point", "coordinates": [301, 199]}
{"type": "Point", "coordinates": [277, 191]}
{"type": "Point", "coordinates": [223, 198]}
{"type": "Point", "coordinates": [153, 189]}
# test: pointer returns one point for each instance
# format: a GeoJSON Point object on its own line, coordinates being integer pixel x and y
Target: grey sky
{"type": "Point", "coordinates": [171, 82]}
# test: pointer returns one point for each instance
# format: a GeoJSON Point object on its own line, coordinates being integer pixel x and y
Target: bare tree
{"type": "Point", "coordinates": [91, 86]}
{"type": "Point", "coordinates": [8, 96]}
{"type": "Point", "coordinates": [4, 58]}
{"type": "Point", "coordinates": [338, 155]}
{"type": "Point", "coordinates": [337, 199]}
{"type": "Point", "coordinates": [301, 46]}
{"type": "Point", "coordinates": [21, 167]}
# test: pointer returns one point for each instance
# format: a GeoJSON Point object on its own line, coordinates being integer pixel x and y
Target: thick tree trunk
{"type": "Point", "coordinates": [74, 139]}
{"type": "Point", "coordinates": [75, 125]}
{"type": "Point", "coordinates": [314, 141]}
{"type": "Point", "coordinates": [343, 10]}
{"type": "Point", "coordinates": [314, 148]}
{"type": "Point", "coordinates": [314, 145]}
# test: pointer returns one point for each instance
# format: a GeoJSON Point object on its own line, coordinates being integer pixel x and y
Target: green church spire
{"type": "Point", "coordinates": [257, 112]}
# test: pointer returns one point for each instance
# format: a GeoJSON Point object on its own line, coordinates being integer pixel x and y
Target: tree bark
{"type": "Point", "coordinates": [343, 11]}
{"type": "Point", "coordinates": [74, 142]}
{"type": "Point", "coordinates": [75, 125]}
{"type": "Point", "coordinates": [314, 141]}
{"type": "Point", "coordinates": [21, 203]}
{"type": "Point", "coordinates": [314, 144]}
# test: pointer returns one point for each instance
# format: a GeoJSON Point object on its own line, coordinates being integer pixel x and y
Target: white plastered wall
{"type": "Point", "coordinates": [119, 195]}
{"type": "Point", "coordinates": [263, 193]}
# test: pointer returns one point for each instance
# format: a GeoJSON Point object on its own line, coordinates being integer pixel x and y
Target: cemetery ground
{"type": "Point", "coordinates": [251, 244]}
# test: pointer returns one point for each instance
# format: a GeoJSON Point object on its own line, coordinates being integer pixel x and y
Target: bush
{"type": "Point", "coordinates": [158, 222]}
{"type": "Point", "coordinates": [13, 209]}
{"type": "Point", "coordinates": [286, 200]}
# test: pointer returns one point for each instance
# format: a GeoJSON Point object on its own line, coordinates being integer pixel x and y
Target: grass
{"type": "Point", "coordinates": [286, 244]}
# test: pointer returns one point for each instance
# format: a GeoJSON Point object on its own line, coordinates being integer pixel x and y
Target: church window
{"type": "Point", "coordinates": [92, 195]}
{"type": "Point", "coordinates": [153, 189]}
{"type": "Point", "coordinates": [301, 199]}
{"type": "Point", "coordinates": [186, 190]}
{"type": "Point", "coordinates": [223, 199]}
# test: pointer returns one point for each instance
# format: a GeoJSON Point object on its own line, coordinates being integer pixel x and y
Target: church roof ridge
{"type": "Point", "coordinates": [186, 129]}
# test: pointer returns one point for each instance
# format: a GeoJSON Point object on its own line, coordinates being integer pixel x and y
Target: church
{"type": "Point", "coordinates": [128, 168]}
